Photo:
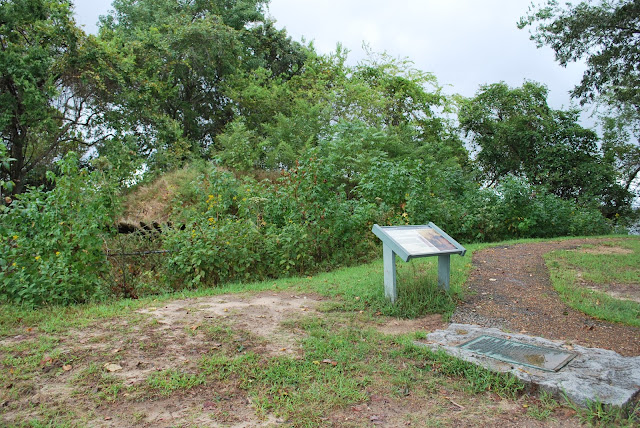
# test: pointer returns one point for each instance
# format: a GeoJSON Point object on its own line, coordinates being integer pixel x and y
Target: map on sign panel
{"type": "Point", "coordinates": [420, 240]}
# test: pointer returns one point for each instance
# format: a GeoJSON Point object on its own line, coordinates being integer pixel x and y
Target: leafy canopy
{"type": "Point", "coordinates": [605, 33]}
{"type": "Point", "coordinates": [177, 66]}
{"type": "Point", "coordinates": [45, 96]}
{"type": "Point", "coordinates": [516, 133]}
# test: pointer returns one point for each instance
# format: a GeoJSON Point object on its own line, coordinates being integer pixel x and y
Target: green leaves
{"type": "Point", "coordinates": [51, 242]}
{"type": "Point", "coordinates": [516, 133]}
{"type": "Point", "coordinates": [46, 106]}
{"type": "Point", "coordinates": [178, 65]}
{"type": "Point", "coordinates": [602, 32]}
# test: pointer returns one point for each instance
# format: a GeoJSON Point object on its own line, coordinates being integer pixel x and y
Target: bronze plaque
{"type": "Point", "coordinates": [510, 351]}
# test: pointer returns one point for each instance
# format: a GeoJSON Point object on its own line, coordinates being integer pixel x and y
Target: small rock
{"type": "Point", "coordinates": [112, 367]}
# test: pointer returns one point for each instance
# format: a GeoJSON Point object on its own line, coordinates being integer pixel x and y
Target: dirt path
{"type": "Point", "coordinates": [510, 289]}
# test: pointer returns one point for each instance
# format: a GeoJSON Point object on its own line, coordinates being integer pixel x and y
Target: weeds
{"type": "Point", "coordinates": [598, 414]}
{"type": "Point", "coordinates": [545, 407]}
{"type": "Point", "coordinates": [477, 378]}
{"type": "Point", "coordinates": [168, 381]}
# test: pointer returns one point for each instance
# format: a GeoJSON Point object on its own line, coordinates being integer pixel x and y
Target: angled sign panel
{"type": "Point", "coordinates": [418, 241]}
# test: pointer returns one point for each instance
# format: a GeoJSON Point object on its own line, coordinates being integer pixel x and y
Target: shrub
{"type": "Point", "coordinates": [51, 242]}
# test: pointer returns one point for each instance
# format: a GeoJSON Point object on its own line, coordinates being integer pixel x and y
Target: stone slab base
{"type": "Point", "coordinates": [593, 375]}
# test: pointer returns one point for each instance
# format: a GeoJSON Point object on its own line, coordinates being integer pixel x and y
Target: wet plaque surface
{"type": "Point", "coordinates": [539, 357]}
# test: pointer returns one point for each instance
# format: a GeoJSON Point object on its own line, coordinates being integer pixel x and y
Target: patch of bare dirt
{"type": "Point", "coordinates": [425, 324]}
{"type": "Point", "coordinates": [445, 408]}
{"type": "Point", "coordinates": [261, 315]}
{"type": "Point", "coordinates": [604, 250]}
{"type": "Point", "coordinates": [510, 289]}
{"type": "Point", "coordinates": [616, 290]}
{"type": "Point", "coordinates": [201, 407]}
{"type": "Point", "coordinates": [122, 354]}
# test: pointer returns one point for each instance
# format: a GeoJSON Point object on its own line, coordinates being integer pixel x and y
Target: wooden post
{"type": "Point", "coordinates": [389, 260]}
{"type": "Point", "coordinates": [444, 271]}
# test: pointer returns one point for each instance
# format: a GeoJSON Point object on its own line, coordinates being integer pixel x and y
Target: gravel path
{"type": "Point", "coordinates": [510, 289]}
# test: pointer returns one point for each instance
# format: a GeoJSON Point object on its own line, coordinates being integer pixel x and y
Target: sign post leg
{"type": "Point", "coordinates": [444, 271]}
{"type": "Point", "coordinates": [389, 259]}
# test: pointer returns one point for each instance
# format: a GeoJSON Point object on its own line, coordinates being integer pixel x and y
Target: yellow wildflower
{"type": "Point", "coordinates": [57, 253]}
{"type": "Point", "coordinates": [37, 258]}
{"type": "Point", "coordinates": [15, 237]}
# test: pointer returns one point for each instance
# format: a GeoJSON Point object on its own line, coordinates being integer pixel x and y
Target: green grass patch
{"type": "Point", "coordinates": [475, 378]}
{"type": "Point", "coordinates": [58, 319]}
{"type": "Point", "coordinates": [343, 364]}
{"type": "Point", "coordinates": [168, 381]}
{"type": "Point", "coordinates": [544, 408]}
{"type": "Point", "coordinates": [570, 269]}
{"type": "Point", "coordinates": [600, 415]}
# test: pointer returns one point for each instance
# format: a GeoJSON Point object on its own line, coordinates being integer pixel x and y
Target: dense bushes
{"type": "Point", "coordinates": [51, 242]}
{"type": "Point", "coordinates": [417, 192]}
{"type": "Point", "coordinates": [241, 229]}
{"type": "Point", "coordinates": [315, 216]}
{"type": "Point", "coordinates": [516, 209]}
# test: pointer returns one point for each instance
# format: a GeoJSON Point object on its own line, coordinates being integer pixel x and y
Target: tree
{"type": "Point", "coordinates": [516, 133]}
{"type": "Point", "coordinates": [381, 96]}
{"type": "Point", "coordinates": [607, 35]}
{"type": "Point", "coordinates": [181, 59]}
{"type": "Point", "coordinates": [45, 97]}
{"type": "Point", "coordinates": [621, 133]}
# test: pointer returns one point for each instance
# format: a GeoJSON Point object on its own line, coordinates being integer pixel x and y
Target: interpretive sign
{"type": "Point", "coordinates": [539, 357]}
{"type": "Point", "coordinates": [410, 242]}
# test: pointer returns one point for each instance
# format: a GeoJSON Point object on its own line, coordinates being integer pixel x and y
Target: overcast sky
{"type": "Point", "coordinates": [465, 43]}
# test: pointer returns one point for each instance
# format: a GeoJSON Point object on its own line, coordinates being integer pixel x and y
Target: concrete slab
{"type": "Point", "coordinates": [593, 375]}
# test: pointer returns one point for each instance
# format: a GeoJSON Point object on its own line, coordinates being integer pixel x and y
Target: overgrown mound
{"type": "Point", "coordinates": [159, 200]}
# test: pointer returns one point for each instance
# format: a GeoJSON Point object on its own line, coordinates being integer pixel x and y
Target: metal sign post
{"type": "Point", "coordinates": [410, 242]}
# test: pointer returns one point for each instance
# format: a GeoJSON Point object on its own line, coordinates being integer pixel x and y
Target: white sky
{"type": "Point", "coordinates": [465, 43]}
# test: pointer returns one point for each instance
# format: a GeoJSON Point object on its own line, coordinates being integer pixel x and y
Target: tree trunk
{"type": "Point", "coordinates": [16, 167]}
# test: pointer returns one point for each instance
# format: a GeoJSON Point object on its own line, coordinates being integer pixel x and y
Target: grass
{"type": "Point", "coordinates": [543, 410]}
{"type": "Point", "coordinates": [570, 269]}
{"type": "Point", "coordinates": [342, 362]}
{"type": "Point", "coordinates": [343, 365]}
{"type": "Point", "coordinates": [356, 288]}
{"type": "Point", "coordinates": [600, 415]}
{"type": "Point", "coordinates": [168, 381]}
